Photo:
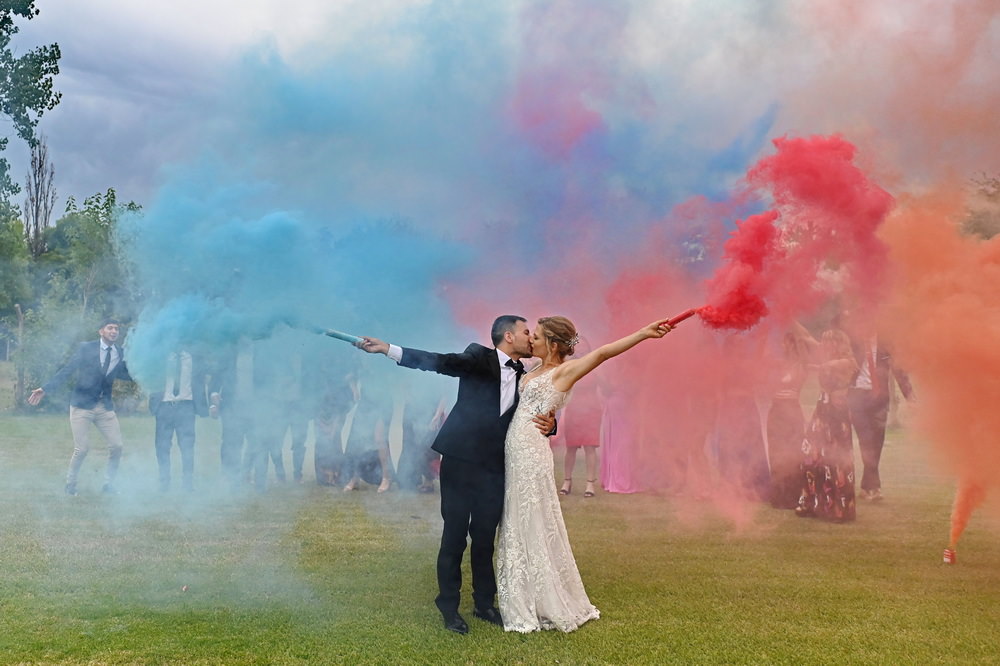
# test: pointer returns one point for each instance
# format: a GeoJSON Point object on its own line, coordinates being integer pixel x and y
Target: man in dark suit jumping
{"type": "Point", "coordinates": [95, 366]}
{"type": "Point", "coordinates": [471, 444]}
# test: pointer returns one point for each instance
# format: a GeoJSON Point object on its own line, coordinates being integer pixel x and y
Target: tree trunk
{"type": "Point", "coordinates": [19, 360]}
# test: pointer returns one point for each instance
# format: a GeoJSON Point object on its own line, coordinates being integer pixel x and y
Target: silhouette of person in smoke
{"type": "Point", "coordinates": [95, 366]}
{"type": "Point", "coordinates": [279, 395]}
{"type": "Point", "coordinates": [828, 468]}
{"type": "Point", "coordinates": [786, 422]}
{"type": "Point", "coordinates": [418, 462]}
{"type": "Point", "coordinates": [742, 458]}
{"type": "Point", "coordinates": [582, 424]}
{"type": "Point", "coordinates": [868, 397]}
{"type": "Point", "coordinates": [183, 397]}
{"type": "Point", "coordinates": [367, 452]}
{"type": "Point", "coordinates": [336, 398]}
{"type": "Point", "coordinates": [233, 398]}
{"type": "Point", "coordinates": [471, 443]}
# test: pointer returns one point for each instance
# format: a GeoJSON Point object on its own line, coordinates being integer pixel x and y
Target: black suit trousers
{"type": "Point", "coordinates": [471, 506]}
{"type": "Point", "coordinates": [175, 417]}
{"type": "Point", "coordinates": [869, 413]}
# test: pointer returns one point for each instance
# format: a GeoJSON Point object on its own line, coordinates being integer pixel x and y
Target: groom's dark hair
{"type": "Point", "coordinates": [501, 325]}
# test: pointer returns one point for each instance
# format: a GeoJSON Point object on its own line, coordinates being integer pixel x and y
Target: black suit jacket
{"type": "Point", "coordinates": [884, 366]}
{"type": "Point", "coordinates": [475, 430]}
{"type": "Point", "coordinates": [92, 385]}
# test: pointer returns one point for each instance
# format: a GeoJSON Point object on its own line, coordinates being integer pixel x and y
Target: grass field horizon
{"type": "Point", "coordinates": [307, 574]}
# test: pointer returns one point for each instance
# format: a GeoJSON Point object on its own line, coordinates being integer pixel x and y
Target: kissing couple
{"type": "Point", "coordinates": [496, 470]}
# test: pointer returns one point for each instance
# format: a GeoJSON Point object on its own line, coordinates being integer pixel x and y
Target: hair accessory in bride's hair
{"type": "Point", "coordinates": [573, 342]}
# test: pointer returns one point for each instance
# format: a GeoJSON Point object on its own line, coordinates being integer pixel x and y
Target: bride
{"type": "Point", "coordinates": [538, 584]}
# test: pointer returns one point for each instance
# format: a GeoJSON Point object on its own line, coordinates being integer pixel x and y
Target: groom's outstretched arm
{"type": "Point", "coordinates": [372, 345]}
{"type": "Point", "coordinates": [469, 362]}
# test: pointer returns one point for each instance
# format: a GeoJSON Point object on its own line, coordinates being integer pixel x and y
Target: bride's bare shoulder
{"type": "Point", "coordinates": [563, 376]}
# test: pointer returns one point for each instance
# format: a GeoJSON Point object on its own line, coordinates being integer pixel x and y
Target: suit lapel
{"type": "Point", "coordinates": [495, 370]}
{"type": "Point", "coordinates": [94, 355]}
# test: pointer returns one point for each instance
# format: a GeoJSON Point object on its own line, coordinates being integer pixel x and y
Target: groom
{"type": "Point", "coordinates": [471, 444]}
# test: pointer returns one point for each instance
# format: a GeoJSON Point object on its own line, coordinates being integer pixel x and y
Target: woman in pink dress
{"type": "Point", "coordinates": [581, 428]}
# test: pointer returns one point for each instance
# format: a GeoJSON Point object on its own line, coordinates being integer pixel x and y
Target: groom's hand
{"type": "Point", "coordinates": [546, 423]}
{"type": "Point", "coordinates": [372, 345]}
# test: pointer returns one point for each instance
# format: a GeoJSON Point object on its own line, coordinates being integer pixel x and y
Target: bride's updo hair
{"type": "Point", "coordinates": [562, 332]}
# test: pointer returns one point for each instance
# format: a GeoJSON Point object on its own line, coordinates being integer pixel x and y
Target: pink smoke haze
{"type": "Point", "coordinates": [550, 100]}
{"type": "Point", "coordinates": [917, 82]}
{"type": "Point", "coordinates": [818, 234]}
{"type": "Point", "coordinates": [825, 216]}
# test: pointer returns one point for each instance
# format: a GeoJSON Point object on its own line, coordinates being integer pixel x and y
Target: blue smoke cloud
{"type": "Point", "coordinates": [339, 187]}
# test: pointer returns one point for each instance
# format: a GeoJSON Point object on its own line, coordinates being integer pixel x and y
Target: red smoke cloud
{"type": "Point", "coordinates": [737, 292]}
{"type": "Point", "coordinates": [823, 225]}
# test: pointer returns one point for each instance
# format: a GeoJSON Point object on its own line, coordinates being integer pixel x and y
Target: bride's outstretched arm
{"type": "Point", "coordinates": [570, 372]}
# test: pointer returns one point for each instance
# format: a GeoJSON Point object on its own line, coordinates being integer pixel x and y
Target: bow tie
{"type": "Point", "coordinates": [517, 365]}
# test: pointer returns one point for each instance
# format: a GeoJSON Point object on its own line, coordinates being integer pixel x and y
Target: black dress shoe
{"type": "Point", "coordinates": [455, 622]}
{"type": "Point", "coordinates": [491, 615]}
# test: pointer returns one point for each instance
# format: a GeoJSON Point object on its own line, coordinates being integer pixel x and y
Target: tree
{"type": "Point", "coordinates": [82, 249]}
{"type": "Point", "coordinates": [983, 216]}
{"type": "Point", "coordinates": [26, 85]}
{"type": "Point", "coordinates": [14, 288]}
{"type": "Point", "coordinates": [80, 277]}
{"type": "Point", "coordinates": [14, 285]}
{"type": "Point", "coordinates": [41, 198]}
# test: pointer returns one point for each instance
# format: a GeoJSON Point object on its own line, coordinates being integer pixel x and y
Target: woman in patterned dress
{"type": "Point", "coordinates": [828, 466]}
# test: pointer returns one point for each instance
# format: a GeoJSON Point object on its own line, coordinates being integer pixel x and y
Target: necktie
{"type": "Point", "coordinates": [107, 360]}
{"type": "Point", "coordinates": [177, 375]}
{"type": "Point", "coordinates": [517, 365]}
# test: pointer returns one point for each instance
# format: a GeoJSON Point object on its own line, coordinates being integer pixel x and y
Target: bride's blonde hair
{"type": "Point", "coordinates": [562, 332]}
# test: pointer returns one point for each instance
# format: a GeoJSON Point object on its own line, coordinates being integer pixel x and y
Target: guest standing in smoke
{"type": "Point", "coordinates": [418, 462]}
{"type": "Point", "coordinates": [183, 397]}
{"type": "Point", "coordinates": [368, 441]}
{"type": "Point", "coordinates": [828, 467]}
{"type": "Point", "coordinates": [742, 458]}
{"type": "Point", "coordinates": [278, 394]}
{"type": "Point", "coordinates": [233, 398]}
{"type": "Point", "coordinates": [582, 429]}
{"type": "Point", "coordinates": [95, 366]}
{"type": "Point", "coordinates": [337, 397]}
{"type": "Point", "coordinates": [786, 423]}
{"type": "Point", "coordinates": [471, 443]}
{"type": "Point", "coordinates": [868, 397]}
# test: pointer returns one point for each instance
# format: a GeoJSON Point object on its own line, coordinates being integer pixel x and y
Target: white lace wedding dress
{"type": "Point", "coordinates": [538, 584]}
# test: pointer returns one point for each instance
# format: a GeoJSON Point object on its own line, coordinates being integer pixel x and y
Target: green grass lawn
{"type": "Point", "coordinates": [305, 574]}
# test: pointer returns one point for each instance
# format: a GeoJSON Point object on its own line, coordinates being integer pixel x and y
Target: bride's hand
{"type": "Point", "coordinates": [657, 329]}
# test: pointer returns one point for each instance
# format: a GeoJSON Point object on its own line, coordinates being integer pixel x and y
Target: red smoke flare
{"type": "Point", "coordinates": [818, 240]}
{"type": "Point", "coordinates": [736, 293]}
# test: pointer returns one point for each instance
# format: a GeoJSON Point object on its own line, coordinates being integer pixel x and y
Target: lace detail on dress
{"type": "Point", "coordinates": [538, 584]}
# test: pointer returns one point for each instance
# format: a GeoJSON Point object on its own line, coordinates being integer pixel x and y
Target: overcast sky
{"type": "Point", "coordinates": [142, 81]}
{"type": "Point", "coordinates": [136, 77]}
